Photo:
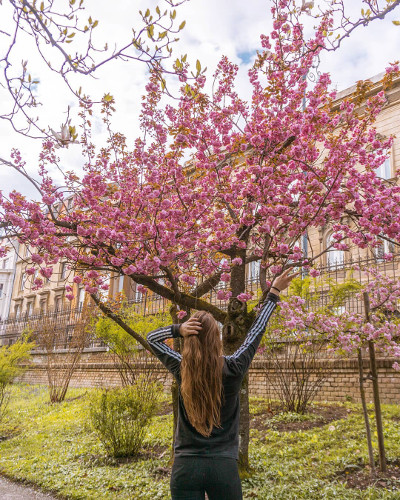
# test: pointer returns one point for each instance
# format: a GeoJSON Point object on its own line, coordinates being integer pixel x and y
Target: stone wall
{"type": "Point", "coordinates": [97, 369]}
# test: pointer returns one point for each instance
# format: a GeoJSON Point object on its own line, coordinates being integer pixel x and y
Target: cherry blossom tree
{"type": "Point", "coordinates": [350, 333]}
{"type": "Point", "coordinates": [214, 184]}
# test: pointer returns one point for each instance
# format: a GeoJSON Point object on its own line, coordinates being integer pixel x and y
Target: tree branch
{"type": "Point", "coordinates": [117, 319]}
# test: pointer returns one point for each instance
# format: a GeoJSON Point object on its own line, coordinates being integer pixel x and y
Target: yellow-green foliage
{"type": "Point", "coordinates": [10, 359]}
{"type": "Point", "coordinates": [118, 339]}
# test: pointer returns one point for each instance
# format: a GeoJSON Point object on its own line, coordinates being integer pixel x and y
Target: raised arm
{"type": "Point", "coordinates": [240, 360]}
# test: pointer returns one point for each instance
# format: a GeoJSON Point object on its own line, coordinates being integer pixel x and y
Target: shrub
{"type": "Point", "coordinates": [121, 416]}
{"type": "Point", "coordinates": [10, 359]}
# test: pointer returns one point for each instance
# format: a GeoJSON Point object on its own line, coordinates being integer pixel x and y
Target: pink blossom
{"type": "Point", "coordinates": [36, 258]}
{"type": "Point", "coordinates": [181, 314]}
{"type": "Point", "coordinates": [46, 272]}
{"type": "Point", "coordinates": [224, 295]}
{"type": "Point", "coordinates": [116, 261]}
{"type": "Point", "coordinates": [244, 297]}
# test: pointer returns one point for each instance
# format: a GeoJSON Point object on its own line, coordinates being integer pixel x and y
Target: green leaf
{"type": "Point", "coordinates": [198, 66]}
{"type": "Point", "coordinates": [147, 13]}
{"type": "Point", "coordinates": [182, 25]}
{"type": "Point", "coordinates": [396, 23]}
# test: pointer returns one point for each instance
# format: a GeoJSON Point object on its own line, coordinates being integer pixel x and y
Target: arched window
{"type": "Point", "coordinates": [334, 257]}
{"type": "Point", "coordinates": [293, 189]}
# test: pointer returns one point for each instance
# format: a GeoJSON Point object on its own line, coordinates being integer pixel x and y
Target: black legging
{"type": "Point", "coordinates": [193, 476]}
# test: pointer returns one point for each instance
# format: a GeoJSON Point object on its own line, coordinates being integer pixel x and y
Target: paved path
{"type": "Point", "coordinates": [16, 491]}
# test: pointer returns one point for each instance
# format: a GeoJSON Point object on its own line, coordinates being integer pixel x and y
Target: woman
{"type": "Point", "coordinates": [206, 444]}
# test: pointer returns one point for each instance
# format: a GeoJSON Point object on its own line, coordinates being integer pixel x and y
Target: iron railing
{"type": "Point", "coordinates": [66, 318]}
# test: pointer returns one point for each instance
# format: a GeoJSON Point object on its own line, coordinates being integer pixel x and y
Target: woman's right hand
{"type": "Point", "coordinates": [282, 281]}
{"type": "Point", "coordinates": [190, 327]}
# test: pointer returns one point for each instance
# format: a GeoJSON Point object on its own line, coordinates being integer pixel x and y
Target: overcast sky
{"type": "Point", "coordinates": [213, 28]}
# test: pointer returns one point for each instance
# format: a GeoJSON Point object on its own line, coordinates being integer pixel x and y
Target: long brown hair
{"type": "Point", "coordinates": [201, 375]}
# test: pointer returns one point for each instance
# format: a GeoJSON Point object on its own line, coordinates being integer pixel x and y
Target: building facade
{"type": "Point", "coordinates": [7, 277]}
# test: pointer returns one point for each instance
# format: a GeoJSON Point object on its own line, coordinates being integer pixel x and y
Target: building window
{"type": "Point", "coordinates": [5, 263]}
{"type": "Point", "coordinates": [22, 282]}
{"type": "Point", "coordinates": [81, 298]}
{"type": "Point", "coordinates": [43, 306]}
{"type": "Point", "coordinates": [121, 283]}
{"type": "Point", "coordinates": [384, 171]}
{"type": "Point", "coordinates": [57, 303]}
{"type": "Point", "coordinates": [63, 273]}
{"type": "Point", "coordinates": [17, 310]}
{"type": "Point", "coordinates": [384, 247]}
{"type": "Point", "coordinates": [334, 257]}
{"type": "Point", "coordinates": [294, 190]}
{"type": "Point", "coordinates": [254, 270]}
{"type": "Point", "coordinates": [138, 295]}
{"type": "Point", "coordinates": [29, 308]}
{"type": "Point", "coordinates": [1, 290]}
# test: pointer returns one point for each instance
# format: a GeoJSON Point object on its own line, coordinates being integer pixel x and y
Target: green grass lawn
{"type": "Point", "coordinates": [53, 447]}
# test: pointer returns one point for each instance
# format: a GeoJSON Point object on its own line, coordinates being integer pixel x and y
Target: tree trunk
{"type": "Point", "coordinates": [244, 425]}
{"type": "Point", "coordinates": [375, 386]}
{"type": "Point", "coordinates": [377, 406]}
{"type": "Point", "coordinates": [365, 413]}
{"type": "Point", "coordinates": [234, 331]}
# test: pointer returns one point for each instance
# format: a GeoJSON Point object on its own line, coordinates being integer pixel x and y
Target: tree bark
{"type": "Point", "coordinates": [377, 406]}
{"type": "Point", "coordinates": [234, 331]}
{"type": "Point", "coordinates": [244, 425]}
{"type": "Point", "coordinates": [375, 387]}
{"type": "Point", "coordinates": [365, 413]}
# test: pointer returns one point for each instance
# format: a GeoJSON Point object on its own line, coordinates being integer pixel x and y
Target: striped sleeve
{"type": "Point", "coordinates": [242, 358]}
{"type": "Point", "coordinates": [168, 357]}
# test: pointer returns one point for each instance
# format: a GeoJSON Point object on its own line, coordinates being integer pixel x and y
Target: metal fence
{"type": "Point", "coordinates": [66, 318]}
